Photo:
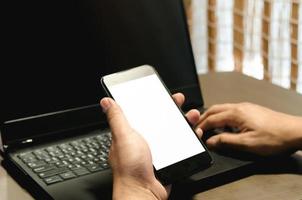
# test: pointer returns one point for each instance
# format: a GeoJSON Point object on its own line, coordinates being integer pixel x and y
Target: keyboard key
{"type": "Point", "coordinates": [53, 172]}
{"type": "Point", "coordinates": [105, 165]}
{"type": "Point", "coordinates": [44, 168]}
{"type": "Point", "coordinates": [36, 164]}
{"type": "Point", "coordinates": [41, 154]}
{"type": "Point", "coordinates": [52, 149]}
{"type": "Point", "coordinates": [25, 154]}
{"type": "Point", "coordinates": [73, 167]}
{"type": "Point", "coordinates": [94, 168]}
{"type": "Point", "coordinates": [29, 159]}
{"type": "Point", "coordinates": [53, 179]}
{"type": "Point", "coordinates": [63, 161]}
{"type": "Point", "coordinates": [68, 175]}
{"type": "Point", "coordinates": [51, 160]}
{"type": "Point", "coordinates": [81, 171]}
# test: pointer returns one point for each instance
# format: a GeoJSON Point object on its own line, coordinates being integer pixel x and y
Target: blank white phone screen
{"type": "Point", "coordinates": [151, 111]}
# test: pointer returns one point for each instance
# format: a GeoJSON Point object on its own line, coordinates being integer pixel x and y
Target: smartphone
{"type": "Point", "coordinates": [149, 108]}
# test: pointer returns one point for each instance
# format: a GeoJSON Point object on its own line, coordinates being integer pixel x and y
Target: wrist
{"type": "Point", "coordinates": [129, 188]}
{"type": "Point", "coordinates": [298, 135]}
{"type": "Point", "coordinates": [295, 133]}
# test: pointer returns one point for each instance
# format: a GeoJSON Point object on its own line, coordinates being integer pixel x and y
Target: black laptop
{"type": "Point", "coordinates": [54, 134]}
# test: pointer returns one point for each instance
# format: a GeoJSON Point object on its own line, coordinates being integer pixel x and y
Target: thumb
{"type": "Point", "coordinates": [115, 116]}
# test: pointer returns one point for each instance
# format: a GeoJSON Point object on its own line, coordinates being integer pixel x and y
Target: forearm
{"type": "Point", "coordinates": [125, 189]}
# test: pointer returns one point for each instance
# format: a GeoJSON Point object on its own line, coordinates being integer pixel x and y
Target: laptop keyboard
{"type": "Point", "coordinates": [69, 160]}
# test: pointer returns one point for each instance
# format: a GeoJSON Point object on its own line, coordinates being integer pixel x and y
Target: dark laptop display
{"type": "Point", "coordinates": [57, 52]}
{"type": "Point", "coordinates": [51, 123]}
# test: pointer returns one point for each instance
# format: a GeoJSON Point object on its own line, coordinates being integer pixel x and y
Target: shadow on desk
{"type": "Point", "coordinates": [274, 165]}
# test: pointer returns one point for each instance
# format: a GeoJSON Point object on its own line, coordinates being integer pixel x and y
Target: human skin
{"type": "Point", "coordinates": [261, 130]}
{"type": "Point", "coordinates": [130, 157]}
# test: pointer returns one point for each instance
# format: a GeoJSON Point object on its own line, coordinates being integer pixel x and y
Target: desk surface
{"type": "Point", "coordinates": [222, 88]}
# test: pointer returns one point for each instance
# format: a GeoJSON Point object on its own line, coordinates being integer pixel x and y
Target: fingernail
{"type": "Point", "coordinates": [199, 132]}
{"type": "Point", "coordinates": [106, 104]}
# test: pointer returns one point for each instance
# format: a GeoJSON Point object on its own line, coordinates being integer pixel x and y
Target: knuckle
{"type": "Point", "coordinates": [210, 120]}
{"type": "Point", "coordinates": [245, 104]}
{"type": "Point", "coordinates": [234, 111]}
{"type": "Point", "coordinates": [223, 138]}
{"type": "Point", "coordinates": [112, 115]}
{"type": "Point", "coordinates": [228, 105]}
{"type": "Point", "coordinates": [214, 107]}
{"type": "Point", "coordinates": [241, 108]}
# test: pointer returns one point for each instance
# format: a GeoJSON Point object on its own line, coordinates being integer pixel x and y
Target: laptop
{"type": "Point", "coordinates": [55, 138]}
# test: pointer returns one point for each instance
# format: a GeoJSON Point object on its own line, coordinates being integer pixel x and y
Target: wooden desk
{"type": "Point", "coordinates": [221, 88]}
{"type": "Point", "coordinates": [233, 87]}
{"type": "Point", "coordinates": [10, 190]}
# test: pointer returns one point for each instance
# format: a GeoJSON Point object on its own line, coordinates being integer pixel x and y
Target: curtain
{"type": "Point", "coordinates": [261, 30]}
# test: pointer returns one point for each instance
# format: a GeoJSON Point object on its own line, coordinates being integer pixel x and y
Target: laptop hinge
{"type": "Point", "coordinates": [8, 148]}
{"type": "Point", "coordinates": [49, 136]}
{"type": "Point", "coordinates": [37, 129]}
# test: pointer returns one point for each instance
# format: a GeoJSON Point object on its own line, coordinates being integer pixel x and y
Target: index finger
{"type": "Point", "coordinates": [221, 119]}
{"type": "Point", "coordinates": [215, 109]}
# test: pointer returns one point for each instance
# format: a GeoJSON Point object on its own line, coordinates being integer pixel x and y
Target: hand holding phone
{"type": "Point", "coordinates": [130, 159]}
{"type": "Point", "coordinates": [149, 108]}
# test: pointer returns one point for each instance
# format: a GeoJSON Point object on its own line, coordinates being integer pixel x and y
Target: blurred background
{"type": "Point", "coordinates": [260, 38]}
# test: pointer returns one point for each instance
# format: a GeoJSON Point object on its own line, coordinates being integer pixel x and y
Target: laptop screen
{"type": "Point", "coordinates": [57, 51]}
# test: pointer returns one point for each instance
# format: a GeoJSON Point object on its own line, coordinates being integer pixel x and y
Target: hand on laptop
{"type": "Point", "coordinates": [130, 156]}
{"type": "Point", "coordinates": [262, 131]}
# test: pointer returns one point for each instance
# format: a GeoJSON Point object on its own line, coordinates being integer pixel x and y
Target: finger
{"type": "Point", "coordinates": [199, 132]}
{"type": "Point", "coordinates": [168, 188]}
{"type": "Point", "coordinates": [216, 109]}
{"type": "Point", "coordinates": [226, 118]}
{"type": "Point", "coordinates": [236, 141]}
{"type": "Point", "coordinates": [193, 116]}
{"type": "Point", "coordinates": [179, 99]}
{"type": "Point", "coordinates": [116, 119]}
